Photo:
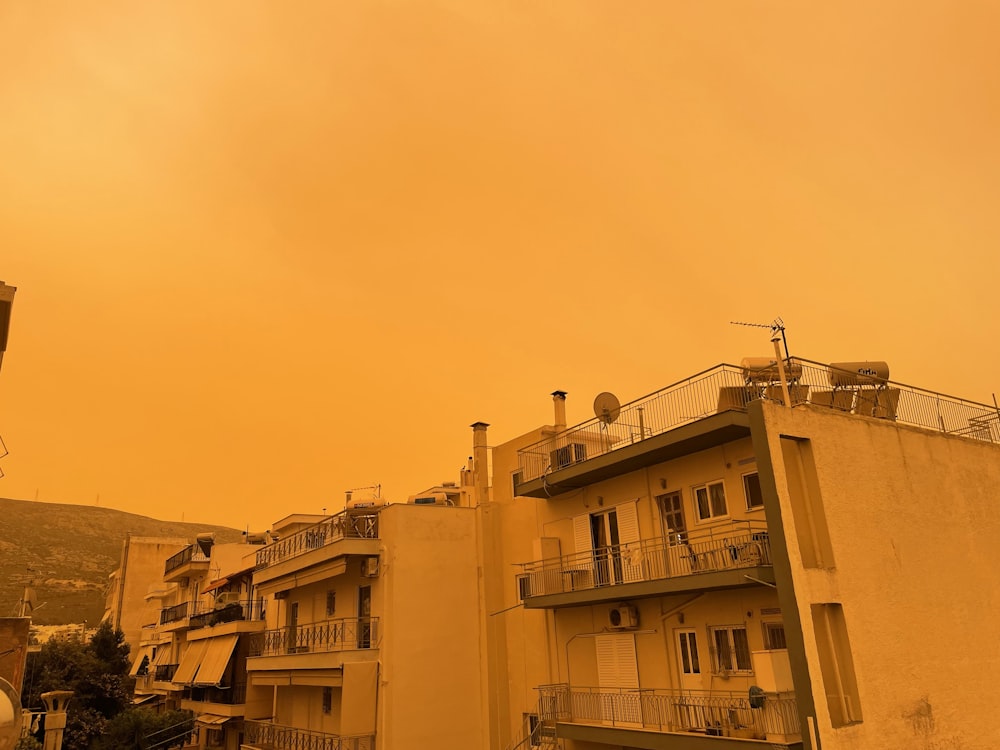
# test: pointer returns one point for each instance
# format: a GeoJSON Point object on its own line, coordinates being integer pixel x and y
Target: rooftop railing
{"type": "Point", "coordinates": [319, 637]}
{"type": "Point", "coordinates": [264, 734]}
{"type": "Point", "coordinates": [191, 553]}
{"type": "Point", "coordinates": [715, 713]}
{"type": "Point", "coordinates": [727, 387]}
{"type": "Point", "coordinates": [740, 544]}
{"type": "Point", "coordinates": [347, 524]}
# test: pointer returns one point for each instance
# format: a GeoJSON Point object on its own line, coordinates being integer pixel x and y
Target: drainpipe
{"type": "Point", "coordinates": [480, 463]}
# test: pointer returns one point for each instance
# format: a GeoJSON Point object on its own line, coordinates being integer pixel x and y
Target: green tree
{"type": "Point", "coordinates": [96, 672]}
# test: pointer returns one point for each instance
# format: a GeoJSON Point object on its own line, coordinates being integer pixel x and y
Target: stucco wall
{"type": "Point", "coordinates": [913, 522]}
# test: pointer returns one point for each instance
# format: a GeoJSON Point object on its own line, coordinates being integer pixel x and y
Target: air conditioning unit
{"type": "Point", "coordinates": [623, 616]}
{"type": "Point", "coordinates": [226, 598]}
{"type": "Point", "coordinates": [567, 455]}
{"type": "Point", "coordinates": [369, 567]}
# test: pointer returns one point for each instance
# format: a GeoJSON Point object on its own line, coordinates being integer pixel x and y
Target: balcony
{"type": "Point", "coordinates": [709, 409]}
{"type": "Point", "coordinates": [639, 718]}
{"type": "Point", "coordinates": [220, 701]}
{"type": "Point", "coordinates": [209, 615]}
{"type": "Point", "coordinates": [722, 557]}
{"type": "Point", "coordinates": [164, 672]}
{"type": "Point", "coordinates": [263, 735]}
{"type": "Point", "coordinates": [345, 634]}
{"type": "Point", "coordinates": [190, 561]}
{"type": "Point", "coordinates": [344, 525]}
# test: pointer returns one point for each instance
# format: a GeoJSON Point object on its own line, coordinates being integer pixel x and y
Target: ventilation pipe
{"type": "Point", "coordinates": [480, 463]}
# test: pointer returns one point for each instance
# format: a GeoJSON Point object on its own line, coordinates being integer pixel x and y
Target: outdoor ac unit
{"type": "Point", "coordinates": [226, 598]}
{"type": "Point", "coordinates": [568, 455]}
{"type": "Point", "coordinates": [369, 567]}
{"type": "Point", "coordinates": [623, 616]}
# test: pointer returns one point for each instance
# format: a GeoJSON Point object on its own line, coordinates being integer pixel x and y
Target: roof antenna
{"type": "Point", "coordinates": [776, 326]}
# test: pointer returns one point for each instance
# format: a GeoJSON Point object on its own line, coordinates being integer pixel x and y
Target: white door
{"type": "Point", "coordinates": [618, 679]}
{"type": "Point", "coordinates": [612, 539]}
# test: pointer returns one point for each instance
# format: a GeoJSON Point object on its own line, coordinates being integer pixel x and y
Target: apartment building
{"type": "Point", "coordinates": [373, 628]}
{"type": "Point", "coordinates": [772, 556]}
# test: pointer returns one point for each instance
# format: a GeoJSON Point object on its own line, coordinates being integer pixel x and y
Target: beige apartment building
{"type": "Point", "coordinates": [373, 628]}
{"type": "Point", "coordinates": [751, 557]}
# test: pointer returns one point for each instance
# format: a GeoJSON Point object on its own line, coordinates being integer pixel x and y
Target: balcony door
{"type": "Point", "coordinates": [618, 679]}
{"type": "Point", "coordinates": [688, 660]}
{"type": "Point", "coordinates": [612, 538]}
{"type": "Point", "coordinates": [364, 617]}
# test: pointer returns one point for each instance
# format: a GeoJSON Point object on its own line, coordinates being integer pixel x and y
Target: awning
{"type": "Point", "coordinates": [144, 653]}
{"type": "Point", "coordinates": [162, 654]}
{"type": "Point", "coordinates": [140, 699]}
{"type": "Point", "coordinates": [216, 584]}
{"type": "Point", "coordinates": [212, 720]}
{"type": "Point", "coordinates": [189, 663]}
{"type": "Point", "coordinates": [215, 659]}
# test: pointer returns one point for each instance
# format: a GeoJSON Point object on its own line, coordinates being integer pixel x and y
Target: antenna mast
{"type": "Point", "coordinates": [776, 326]}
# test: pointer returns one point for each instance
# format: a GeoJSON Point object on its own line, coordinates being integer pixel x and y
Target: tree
{"type": "Point", "coordinates": [143, 729]}
{"type": "Point", "coordinates": [96, 672]}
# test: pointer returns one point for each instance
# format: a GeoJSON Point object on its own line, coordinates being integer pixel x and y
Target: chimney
{"type": "Point", "coordinates": [480, 463]}
{"type": "Point", "coordinates": [559, 402]}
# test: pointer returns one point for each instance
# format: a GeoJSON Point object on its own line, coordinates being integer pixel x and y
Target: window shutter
{"type": "Point", "coordinates": [616, 663]}
{"type": "Point", "coordinates": [628, 523]}
{"type": "Point", "coordinates": [582, 537]}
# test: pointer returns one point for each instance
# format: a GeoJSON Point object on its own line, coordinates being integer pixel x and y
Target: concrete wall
{"type": "Point", "coordinates": [141, 565]}
{"type": "Point", "coordinates": [910, 524]}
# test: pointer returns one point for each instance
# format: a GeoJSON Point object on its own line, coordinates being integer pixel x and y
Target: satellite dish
{"type": "Point", "coordinates": [606, 407]}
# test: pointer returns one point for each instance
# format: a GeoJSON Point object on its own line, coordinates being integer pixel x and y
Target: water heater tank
{"type": "Point", "coordinates": [765, 369]}
{"type": "Point", "coordinates": [858, 373]}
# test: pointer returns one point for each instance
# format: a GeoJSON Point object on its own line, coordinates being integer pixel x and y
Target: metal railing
{"type": "Point", "coordinates": [347, 524]}
{"type": "Point", "coordinates": [727, 387]}
{"type": "Point", "coordinates": [320, 637]}
{"type": "Point", "coordinates": [230, 696]}
{"type": "Point", "coordinates": [739, 544]}
{"type": "Point", "coordinates": [176, 612]}
{"type": "Point", "coordinates": [208, 614]}
{"type": "Point", "coordinates": [165, 672]}
{"type": "Point", "coordinates": [719, 713]}
{"type": "Point", "coordinates": [263, 734]}
{"type": "Point", "coordinates": [191, 553]}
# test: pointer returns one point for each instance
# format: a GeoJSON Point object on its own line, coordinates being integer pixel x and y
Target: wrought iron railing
{"type": "Point", "coordinates": [209, 614]}
{"type": "Point", "coordinates": [727, 713]}
{"type": "Point", "coordinates": [347, 524]}
{"type": "Point", "coordinates": [176, 612]}
{"type": "Point", "coordinates": [191, 553]}
{"type": "Point", "coordinates": [230, 696]}
{"type": "Point", "coordinates": [330, 635]}
{"type": "Point", "coordinates": [165, 672]}
{"type": "Point", "coordinates": [264, 734]}
{"type": "Point", "coordinates": [740, 544]}
{"type": "Point", "coordinates": [727, 387]}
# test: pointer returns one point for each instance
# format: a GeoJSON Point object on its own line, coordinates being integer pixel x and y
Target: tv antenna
{"type": "Point", "coordinates": [606, 407]}
{"type": "Point", "coordinates": [775, 327]}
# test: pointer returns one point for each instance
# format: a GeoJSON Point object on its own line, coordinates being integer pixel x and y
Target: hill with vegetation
{"type": "Point", "coordinates": [66, 553]}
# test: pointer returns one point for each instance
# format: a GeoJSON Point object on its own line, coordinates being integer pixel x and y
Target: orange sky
{"type": "Point", "coordinates": [266, 252]}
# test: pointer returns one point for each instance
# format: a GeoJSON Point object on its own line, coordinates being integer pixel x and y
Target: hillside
{"type": "Point", "coordinates": [68, 551]}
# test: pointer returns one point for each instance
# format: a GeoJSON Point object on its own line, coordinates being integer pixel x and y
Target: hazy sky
{"type": "Point", "coordinates": [266, 252]}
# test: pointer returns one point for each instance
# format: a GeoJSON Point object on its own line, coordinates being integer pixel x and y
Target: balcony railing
{"type": "Point", "coordinates": [191, 553]}
{"type": "Point", "coordinates": [165, 672]}
{"type": "Point", "coordinates": [740, 544]}
{"type": "Point", "coordinates": [344, 525]}
{"type": "Point", "coordinates": [214, 614]}
{"type": "Point", "coordinates": [263, 734]}
{"type": "Point", "coordinates": [727, 387]}
{"type": "Point", "coordinates": [177, 612]}
{"type": "Point", "coordinates": [320, 637]}
{"type": "Point", "coordinates": [230, 696]}
{"type": "Point", "coordinates": [719, 713]}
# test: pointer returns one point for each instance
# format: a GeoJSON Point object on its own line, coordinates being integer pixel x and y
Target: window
{"type": "Point", "coordinates": [672, 518]}
{"type": "Point", "coordinates": [710, 501]}
{"type": "Point", "coordinates": [689, 653]}
{"type": "Point", "coordinates": [331, 603]}
{"type": "Point", "coordinates": [751, 488]}
{"type": "Point", "coordinates": [774, 636]}
{"type": "Point", "coordinates": [732, 651]}
{"type": "Point", "coordinates": [327, 700]}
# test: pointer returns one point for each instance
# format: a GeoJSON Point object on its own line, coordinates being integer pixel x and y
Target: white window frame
{"type": "Point", "coordinates": [688, 639]}
{"type": "Point", "coordinates": [717, 666]}
{"type": "Point", "coordinates": [707, 487]}
{"type": "Point", "coordinates": [746, 493]}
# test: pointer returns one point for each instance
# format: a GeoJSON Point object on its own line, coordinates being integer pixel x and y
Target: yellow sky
{"type": "Point", "coordinates": [266, 252]}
